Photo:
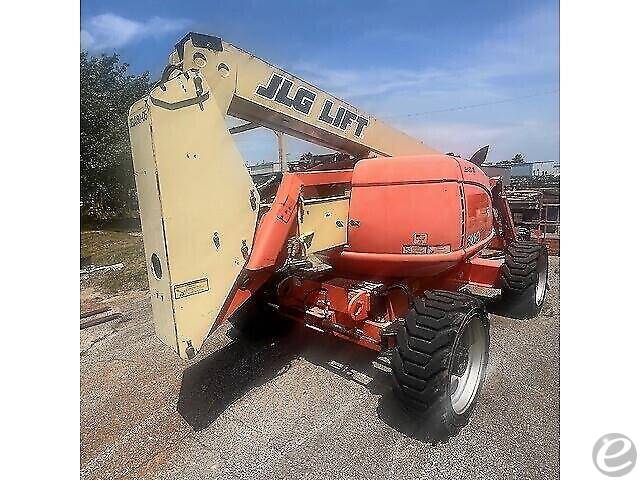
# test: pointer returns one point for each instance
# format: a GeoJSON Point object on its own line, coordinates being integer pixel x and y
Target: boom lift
{"type": "Point", "coordinates": [378, 254]}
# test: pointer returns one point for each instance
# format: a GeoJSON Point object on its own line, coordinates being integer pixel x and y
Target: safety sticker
{"type": "Point", "coordinates": [191, 288]}
{"type": "Point", "coordinates": [414, 249]}
{"type": "Point", "coordinates": [420, 238]}
{"type": "Point", "coordinates": [435, 249]}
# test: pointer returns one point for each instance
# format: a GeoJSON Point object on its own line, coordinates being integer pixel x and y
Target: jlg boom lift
{"type": "Point", "coordinates": [377, 254]}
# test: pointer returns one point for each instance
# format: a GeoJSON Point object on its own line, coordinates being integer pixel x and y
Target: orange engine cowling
{"type": "Point", "coordinates": [415, 216]}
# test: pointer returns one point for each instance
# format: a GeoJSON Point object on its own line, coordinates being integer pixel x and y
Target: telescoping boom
{"type": "Point", "coordinates": [250, 88]}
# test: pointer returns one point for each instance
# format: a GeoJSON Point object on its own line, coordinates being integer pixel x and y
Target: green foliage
{"type": "Point", "coordinates": [518, 158]}
{"type": "Point", "coordinates": [107, 186]}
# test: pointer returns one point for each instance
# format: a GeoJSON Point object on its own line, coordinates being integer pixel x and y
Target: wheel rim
{"type": "Point", "coordinates": [469, 358]}
{"type": "Point", "coordinates": [541, 285]}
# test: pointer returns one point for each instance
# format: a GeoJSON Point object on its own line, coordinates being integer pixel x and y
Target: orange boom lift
{"type": "Point", "coordinates": [388, 246]}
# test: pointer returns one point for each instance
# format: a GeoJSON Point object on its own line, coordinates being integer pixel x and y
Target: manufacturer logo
{"type": "Point", "coordinates": [299, 98]}
{"type": "Point", "coordinates": [614, 455]}
{"type": "Point", "coordinates": [420, 238]}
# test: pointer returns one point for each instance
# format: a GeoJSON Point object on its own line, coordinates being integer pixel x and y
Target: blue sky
{"type": "Point", "coordinates": [411, 63]}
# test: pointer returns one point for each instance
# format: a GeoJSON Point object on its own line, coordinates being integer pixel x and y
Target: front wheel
{"type": "Point", "coordinates": [440, 359]}
{"type": "Point", "coordinates": [523, 278]}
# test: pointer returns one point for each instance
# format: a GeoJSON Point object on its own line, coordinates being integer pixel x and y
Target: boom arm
{"type": "Point", "coordinates": [265, 95]}
{"type": "Point", "coordinates": [198, 203]}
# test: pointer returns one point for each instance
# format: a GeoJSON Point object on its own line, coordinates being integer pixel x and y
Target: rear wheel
{"type": "Point", "coordinates": [440, 360]}
{"type": "Point", "coordinates": [523, 278]}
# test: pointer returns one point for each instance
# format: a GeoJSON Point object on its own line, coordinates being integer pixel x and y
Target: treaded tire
{"type": "Point", "coordinates": [422, 358]}
{"type": "Point", "coordinates": [526, 264]}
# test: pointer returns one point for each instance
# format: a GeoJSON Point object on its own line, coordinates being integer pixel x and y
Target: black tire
{"type": "Point", "coordinates": [523, 274]}
{"type": "Point", "coordinates": [423, 359]}
{"type": "Point", "coordinates": [523, 234]}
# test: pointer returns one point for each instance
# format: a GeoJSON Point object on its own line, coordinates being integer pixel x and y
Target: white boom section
{"type": "Point", "coordinates": [265, 95]}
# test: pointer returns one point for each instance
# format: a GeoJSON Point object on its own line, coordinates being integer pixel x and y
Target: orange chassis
{"type": "Point", "coordinates": [355, 308]}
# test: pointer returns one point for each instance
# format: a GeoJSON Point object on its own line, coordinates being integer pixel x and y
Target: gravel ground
{"type": "Point", "coordinates": [301, 405]}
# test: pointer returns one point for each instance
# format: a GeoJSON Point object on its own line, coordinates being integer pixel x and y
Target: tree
{"type": "Point", "coordinates": [107, 186]}
{"type": "Point", "coordinates": [518, 158]}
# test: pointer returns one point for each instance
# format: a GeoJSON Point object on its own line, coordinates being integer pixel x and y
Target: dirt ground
{"type": "Point", "coordinates": [108, 247]}
{"type": "Point", "coordinates": [298, 405]}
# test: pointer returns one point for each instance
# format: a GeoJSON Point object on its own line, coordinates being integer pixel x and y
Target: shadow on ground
{"type": "Point", "coordinates": [216, 382]}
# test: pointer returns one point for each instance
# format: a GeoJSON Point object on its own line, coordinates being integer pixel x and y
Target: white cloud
{"type": "Point", "coordinates": [463, 138]}
{"type": "Point", "coordinates": [505, 139]}
{"type": "Point", "coordinates": [109, 31]}
{"type": "Point", "coordinates": [516, 59]}
{"type": "Point", "coordinates": [529, 51]}
{"type": "Point", "coordinates": [359, 83]}
{"type": "Point", "coordinates": [532, 44]}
